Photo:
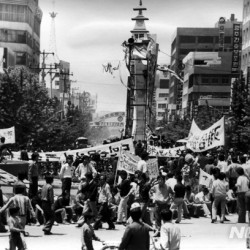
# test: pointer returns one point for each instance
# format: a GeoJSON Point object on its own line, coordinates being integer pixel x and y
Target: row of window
{"type": "Point", "coordinates": [162, 105]}
{"type": "Point", "coordinates": [163, 95]}
{"type": "Point", "coordinates": [19, 13]}
{"type": "Point", "coordinates": [204, 39]}
{"type": "Point", "coordinates": [18, 36]}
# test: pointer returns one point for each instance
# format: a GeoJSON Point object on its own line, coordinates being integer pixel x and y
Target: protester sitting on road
{"type": "Point", "coordinates": [202, 202]}
{"type": "Point", "coordinates": [136, 235]}
{"type": "Point", "coordinates": [62, 209]}
{"type": "Point", "coordinates": [88, 234]}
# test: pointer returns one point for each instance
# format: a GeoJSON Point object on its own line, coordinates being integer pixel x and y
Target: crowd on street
{"type": "Point", "coordinates": [106, 194]}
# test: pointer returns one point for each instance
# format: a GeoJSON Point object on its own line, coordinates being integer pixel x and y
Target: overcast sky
{"type": "Point", "coordinates": [89, 33]}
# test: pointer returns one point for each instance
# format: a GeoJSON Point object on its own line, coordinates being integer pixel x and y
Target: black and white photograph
{"type": "Point", "coordinates": [124, 124]}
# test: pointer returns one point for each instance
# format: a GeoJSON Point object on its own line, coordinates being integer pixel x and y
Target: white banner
{"type": "Point", "coordinates": [202, 140]}
{"type": "Point", "coordinates": [9, 134]}
{"type": "Point", "coordinates": [169, 152]}
{"type": "Point", "coordinates": [110, 148]}
{"type": "Point", "coordinates": [129, 162]}
{"type": "Point", "coordinates": [205, 178]}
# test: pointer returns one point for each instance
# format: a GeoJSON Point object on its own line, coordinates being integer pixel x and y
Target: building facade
{"type": "Point", "coordinates": [187, 40]}
{"type": "Point", "coordinates": [20, 22]}
{"type": "Point", "coordinates": [207, 82]}
{"type": "Point", "coordinates": [161, 95]}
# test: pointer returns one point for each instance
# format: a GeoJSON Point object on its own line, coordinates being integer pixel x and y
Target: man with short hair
{"type": "Point", "coordinates": [104, 199]}
{"type": "Point", "coordinates": [85, 167]}
{"type": "Point", "coordinates": [161, 199]}
{"type": "Point", "coordinates": [33, 175]}
{"type": "Point", "coordinates": [136, 235]}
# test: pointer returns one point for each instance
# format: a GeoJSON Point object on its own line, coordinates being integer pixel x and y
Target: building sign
{"type": "Point", "coordinates": [236, 48]}
{"type": "Point", "coordinates": [222, 22]}
{"type": "Point", "coordinates": [248, 80]}
{"type": "Point", "coordinates": [115, 120]}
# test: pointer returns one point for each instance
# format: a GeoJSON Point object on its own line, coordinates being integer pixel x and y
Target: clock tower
{"type": "Point", "coordinates": [140, 32]}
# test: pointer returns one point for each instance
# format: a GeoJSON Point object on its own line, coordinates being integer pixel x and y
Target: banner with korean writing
{"type": "Point", "coordinates": [202, 140]}
{"type": "Point", "coordinates": [129, 162]}
{"type": "Point", "coordinates": [152, 166]}
{"type": "Point", "coordinates": [8, 134]}
{"type": "Point", "coordinates": [166, 152]}
{"type": "Point", "coordinates": [111, 148]}
{"type": "Point", "coordinates": [205, 178]}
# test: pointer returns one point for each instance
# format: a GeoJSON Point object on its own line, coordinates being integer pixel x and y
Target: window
{"type": "Point", "coordinates": [164, 84]}
{"type": "Point", "coordinates": [205, 80]}
{"type": "Point", "coordinates": [21, 58]}
{"type": "Point", "coordinates": [205, 39]}
{"type": "Point", "coordinates": [162, 106]}
{"type": "Point", "coordinates": [227, 39]}
{"type": "Point", "coordinates": [225, 80]}
{"type": "Point", "coordinates": [215, 80]}
{"type": "Point", "coordinates": [162, 95]}
{"type": "Point", "coordinates": [187, 39]}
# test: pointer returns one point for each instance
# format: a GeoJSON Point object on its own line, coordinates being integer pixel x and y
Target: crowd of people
{"type": "Point", "coordinates": [142, 204]}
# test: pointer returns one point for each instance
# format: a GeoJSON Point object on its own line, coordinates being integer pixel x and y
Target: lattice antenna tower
{"type": "Point", "coordinates": [52, 43]}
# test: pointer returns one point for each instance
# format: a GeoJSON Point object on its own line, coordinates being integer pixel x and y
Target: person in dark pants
{"type": "Point", "coordinates": [47, 205]}
{"type": "Point", "coordinates": [33, 175]}
{"type": "Point", "coordinates": [66, 173]}
{"type": "Point", "coordinates": [2, 227]}
{"type": "Point", "coordinates": [104, 199]}
{"type": "Point", "coordinates": [179, 193]}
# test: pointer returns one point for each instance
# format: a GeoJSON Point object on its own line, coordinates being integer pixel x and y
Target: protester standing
{"type": "Point", "coordinates": [33, 174]}
{"type": "Point", "coordinates": [66, 173]}
{"type": "Point", "coordinates": [48, 205]}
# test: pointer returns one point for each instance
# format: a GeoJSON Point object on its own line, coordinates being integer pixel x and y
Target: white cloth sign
{"type": "Point", "coordinates": [129, 162]}
{"type": "Point", "coordinates": [202, 140]}
{"type": "Point", "coordinates": [169, 152]}
{"type": "Point", "coordinates": [109, 148]}
{"type": "Point", "coordinates": [9, 134]}
{"type": "Point", "coordinates": [204, 178]}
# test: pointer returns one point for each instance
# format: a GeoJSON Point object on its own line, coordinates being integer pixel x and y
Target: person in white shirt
{"type": "Point", "coordinates": [170, 234]}
{"type": "Point", "coordinates": [171, 181]}
{"type": "Point", "coordinates": [66, 173]}
{"type": "Point", "coordinates": [142, 164]}
{"type": "Point", "coordinates": [242, 187]}
{"type": "Point", "coordinates": [85, 167]}
{"type": "Point", "coordinates": [222, 164]}
{"type": "Point", "coordinates": [202, 201]}
{"type": "Point", "coordinates": [219, 193]}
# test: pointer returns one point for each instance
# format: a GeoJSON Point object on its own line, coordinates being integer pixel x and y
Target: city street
{"type": "Point", "coordinates": [196, 234]}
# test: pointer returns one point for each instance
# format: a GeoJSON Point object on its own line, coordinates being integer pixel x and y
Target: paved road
{"type": "Point", "coordinates": [196, 234]}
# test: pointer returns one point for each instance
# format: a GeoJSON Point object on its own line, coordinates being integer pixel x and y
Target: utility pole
{"type": "Point", "coordinates": [65, 74]}
{"type": "Point", "coordinates": [44, 66]}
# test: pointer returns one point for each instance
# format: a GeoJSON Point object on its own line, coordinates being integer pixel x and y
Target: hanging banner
{"type": "Point", "coordinates": [170, 152]}
{"type": "Point", "coordinates": [205, 178]}
{"type": "Point", "coordinates": [202, 140]}
{"type": "Point", "coordinates": [236, 48]}
{"type": "Point", "coordinates": [111, 148]}
{"type": "Point", "coordinates": [9, 134]}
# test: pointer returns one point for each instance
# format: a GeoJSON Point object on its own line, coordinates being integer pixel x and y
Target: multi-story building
{"type": "Point", "coordinates": [245, 59]}
{"type": "Point", "coordinates": [142, 54]}
{"type": "Point", "coordinates": [161, 95]}
{"type": "Point", "coordinates": [187, 40]}
{"type": "Point", "coordinates": [20, 22]}
{"type": "Point", "coordinates": [207, 82]}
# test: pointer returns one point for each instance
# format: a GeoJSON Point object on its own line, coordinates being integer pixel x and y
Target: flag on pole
{"type": "Point", "coordinates": [204, 178]}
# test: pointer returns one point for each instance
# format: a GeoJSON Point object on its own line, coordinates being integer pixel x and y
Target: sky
{"type": "Point", "coordinates": [89, 34]}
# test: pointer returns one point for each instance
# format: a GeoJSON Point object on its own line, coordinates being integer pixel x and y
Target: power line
{"type": "Point", "coordinates": [96, 83]}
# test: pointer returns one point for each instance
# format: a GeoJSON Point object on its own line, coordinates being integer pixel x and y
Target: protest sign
{"type": "Point", "coordinates": [202, 140]}
{"type": "Point", "coordinates": [204, 178]}
{"type": "Point", "coordinates": [8, 134]}
{"type": "Point", "coordinates": [166, 152]}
